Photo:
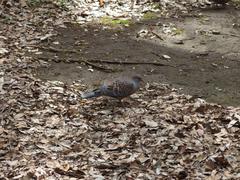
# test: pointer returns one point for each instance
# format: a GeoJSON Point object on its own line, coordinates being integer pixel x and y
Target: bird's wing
{"type": "Point", "coordinates": [119, 87]}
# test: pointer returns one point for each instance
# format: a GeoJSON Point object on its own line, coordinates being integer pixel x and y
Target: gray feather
{"type": "Point", "coordinates": [117, 88]}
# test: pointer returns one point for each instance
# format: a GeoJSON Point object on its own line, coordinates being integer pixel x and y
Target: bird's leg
{"type": "Point", "coordinates": [124, 103]}
{"type": "Point", "coordinates": [120, 102]}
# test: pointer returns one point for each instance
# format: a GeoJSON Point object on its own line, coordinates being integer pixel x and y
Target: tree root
{"type": "Point", "coordinates": [53, 49]}
{"type": "Point", "coordinates": [99, 67]}
{"type": "Point", "coordinates": [93, 62]}
{"type": "Point", "coordinates": [130, 62]}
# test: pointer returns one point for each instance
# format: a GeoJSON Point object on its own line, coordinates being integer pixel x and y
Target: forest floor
{"type": "Point", "coordinates": [188, 57]}
{"type": "Point", "coordinates": [204, 55]}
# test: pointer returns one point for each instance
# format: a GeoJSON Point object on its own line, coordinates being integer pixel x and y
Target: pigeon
{"type": "Point", "coordinates": [118, 88]}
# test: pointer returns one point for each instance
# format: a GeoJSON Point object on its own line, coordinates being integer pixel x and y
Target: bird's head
{"type": "Point", "coordinates": [137, 78]}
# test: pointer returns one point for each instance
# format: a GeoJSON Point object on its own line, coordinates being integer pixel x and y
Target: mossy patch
{"type": "Point", "coordinates": [114, 22]}
{"type": "Point", "coordinates": [150, 15]}
{"type": "Point", "coordinates": [62, 3]}
{"type": "Point", "coordinates": [236, 2]}
{"type": "Point", "coordinates": [178, 31]}
{"type": "Point", "coordinates": [157, 5]}
{"type": "Point", "coordinates": [203, 19]}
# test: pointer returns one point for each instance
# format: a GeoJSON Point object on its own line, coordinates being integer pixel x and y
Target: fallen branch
{"type": "Point", "coordinates": [157, 35]}
{"type": "Point", "coordinates": [102, 68]}
{"type": "Point", "coordinates": [96, 66]}
{"type": "Point", "coordinates": [129, 62]}
{"type": "Point", "coordinates": [234, 35]}
{"type": "Point", "coordinates": [101, 61]}
{"type": "Point", "coordinates": [53, 49]}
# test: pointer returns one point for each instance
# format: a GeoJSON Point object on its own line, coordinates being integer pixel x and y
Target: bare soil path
{"type": "Point", "coordinates": [206, 54]}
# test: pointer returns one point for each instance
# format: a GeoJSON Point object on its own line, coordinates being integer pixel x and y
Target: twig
{"type": "Point", "coordinates": [96, 66]}
{"type": "Point", "coordinates": [129, 62]}
{"type": "Point", "coordinates": [234, 35]}
{"type": "Point", "coordinates": [53, 49]}
{"type": "Point", "coordinates": [102, 61]}
{"type": "Point", "coordinates": [156, 54]}
{"type": "Point", "coordinates": [157, 35]}
{"type": "Point", "coordinates": [83, 61]}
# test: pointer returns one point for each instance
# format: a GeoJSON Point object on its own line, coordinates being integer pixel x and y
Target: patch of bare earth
{"type": "Point", "coordinates": [198, 54]}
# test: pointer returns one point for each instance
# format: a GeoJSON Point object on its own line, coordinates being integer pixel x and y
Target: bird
{"type": "Point", "coordinates": [118, 88]}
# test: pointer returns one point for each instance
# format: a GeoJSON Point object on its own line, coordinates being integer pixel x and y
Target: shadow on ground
{"type": "Point", "coordinates": [206, 61]}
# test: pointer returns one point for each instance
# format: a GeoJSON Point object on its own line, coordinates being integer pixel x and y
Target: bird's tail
{"type": "Point", "coordinates": [94, 93]}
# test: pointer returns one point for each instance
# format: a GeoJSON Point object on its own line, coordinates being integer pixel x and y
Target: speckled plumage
{"type": "Point", "coordinates": [119, 88]}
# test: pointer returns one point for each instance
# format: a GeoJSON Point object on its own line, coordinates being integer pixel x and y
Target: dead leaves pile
{"type": "Point", "coordinates": [48, 132]}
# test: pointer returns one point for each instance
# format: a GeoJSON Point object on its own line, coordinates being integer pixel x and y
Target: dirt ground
{"type": "Point", "coordinates": [205, 56]}
{"type": "Point", "coordinates": [48, 131]}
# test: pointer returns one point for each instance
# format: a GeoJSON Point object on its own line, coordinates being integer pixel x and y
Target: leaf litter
{"type": "Point", "coordinates": [49, 132]}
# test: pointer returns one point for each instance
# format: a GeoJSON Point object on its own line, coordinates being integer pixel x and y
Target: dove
{"type": "Point", "coordinates": [118, 88]}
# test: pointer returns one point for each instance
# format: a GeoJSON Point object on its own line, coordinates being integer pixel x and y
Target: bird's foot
{"type": "Point", "coordinates": [124, 103]}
